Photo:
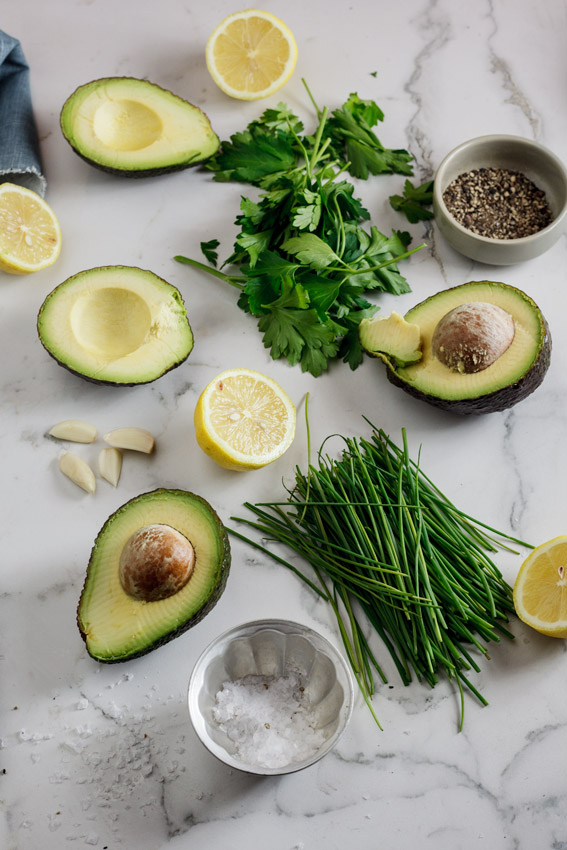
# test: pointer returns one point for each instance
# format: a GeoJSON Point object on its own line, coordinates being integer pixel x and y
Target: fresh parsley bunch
{"type": "Point", "coordinates": [305, 262]}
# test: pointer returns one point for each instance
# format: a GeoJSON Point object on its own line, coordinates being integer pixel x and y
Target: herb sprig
{"type": "Point", "coordinates": [414, 201]}
{"type": "Point", "coordinates": [305, 262]}
{"type": "Point", "coordinates": [383, 541]}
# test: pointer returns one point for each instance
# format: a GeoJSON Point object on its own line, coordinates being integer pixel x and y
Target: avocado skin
{"type": "Point", "coordinates": [501, 399]}
{"type": "Point", "coordinates": [128, 172]}
{"type": "Point", "coordinates": [200, 614]}
{"type": "Point", "coordinates": [104, 383]}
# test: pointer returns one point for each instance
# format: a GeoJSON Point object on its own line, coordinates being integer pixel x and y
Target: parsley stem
{"type": "Point", "coordinates": [311, 161]}
{"type": "Point", "coordinates": [383, 265]}
{"type": "Point", "coordinates": [311, 98]}
{"type": "Point", "coordinates": [238, 282]}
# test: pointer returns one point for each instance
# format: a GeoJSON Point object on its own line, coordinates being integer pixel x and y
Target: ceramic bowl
{"type": "Point", "coordinates": [272, 649]}
{"type": "Point", "coordinates": [515, 154]}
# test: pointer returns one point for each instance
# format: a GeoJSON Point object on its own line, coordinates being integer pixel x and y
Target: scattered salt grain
{"type": "Point", "coordinates": [268, 719]}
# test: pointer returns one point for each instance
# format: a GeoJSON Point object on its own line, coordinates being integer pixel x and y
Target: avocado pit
{"type": "Point", "coordinates": [156, 562]}
{"type": "Point", "coordinates": [473, 336]}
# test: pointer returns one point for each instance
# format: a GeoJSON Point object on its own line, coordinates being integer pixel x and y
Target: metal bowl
{"type": "Point", "coordinates": [272, 649]}
{"type": "Point", "coordinates": [515, 154]}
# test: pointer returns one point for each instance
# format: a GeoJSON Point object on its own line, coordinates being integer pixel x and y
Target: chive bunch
{"type": "Point", "coordinates": [383, 541]}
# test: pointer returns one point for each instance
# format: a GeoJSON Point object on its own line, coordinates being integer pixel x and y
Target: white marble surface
{"type": "Point", "coordinates": [105, 756]}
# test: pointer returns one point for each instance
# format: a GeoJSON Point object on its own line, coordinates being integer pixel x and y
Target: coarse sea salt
{"type": "Point", "coordinates": [268, 719]}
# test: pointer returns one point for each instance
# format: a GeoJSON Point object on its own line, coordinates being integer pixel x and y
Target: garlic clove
{"type": "Point", "coordinates": [78, 471]}
{"type": "Point", "coordinates": [136, 439]}
{"type": "Point", "coordinates": [110, 465]}
{"type": "Point", "coordinates": [74, 430]}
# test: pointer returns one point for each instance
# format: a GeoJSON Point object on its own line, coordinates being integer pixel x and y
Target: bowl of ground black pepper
{"type": "Point", "coordinates": [501, 199]}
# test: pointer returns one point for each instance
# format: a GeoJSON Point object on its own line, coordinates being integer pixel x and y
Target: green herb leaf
{"type": "Point", "coordinates": [414, 201]}
{"type": "Point", "coordinates": [311, 250]}
{"type": "Point", "coordinates": [210, 252]}
{"type": "Point", "coordinates": [251, 155]}
{"type": "Point", "coordinates": [303, 259]}
{"type": "Point", "coordinates": [351, 126]}
{"type": "Point", "coordinates": [299, 336]}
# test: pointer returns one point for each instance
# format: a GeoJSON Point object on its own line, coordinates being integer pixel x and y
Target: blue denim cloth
{"type": "Point", "coordinates": [20, 160]}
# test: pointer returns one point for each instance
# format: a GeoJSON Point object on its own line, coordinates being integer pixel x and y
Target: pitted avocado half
{"type": "Point", "coordinates": [127, 126]}
{"type": "Point", "coordinates": [116, 325]}
{"type": "Point", "coordinates": [476, 348]}
{"type": "Point", "coordinates": [128, 604]}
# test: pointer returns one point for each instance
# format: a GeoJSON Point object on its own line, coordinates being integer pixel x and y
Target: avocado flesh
{"type": "Point", "coordinates": [117, 627]}
{"type": "Point", "coordinates": [510, 379]}
{"type": "Point", "coordinates": [116, 325]}
{"type": "Point", "coordinates": [392, 336]}
{"type": "Point", "coordinates": [136, 128]}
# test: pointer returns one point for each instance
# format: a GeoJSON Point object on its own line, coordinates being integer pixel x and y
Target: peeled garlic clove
{"type": "Point", "coordinates": [110, 465]}
{"type": "Point", "coordinates": [136, 439]}
{"type": "Point", "coordinates": [74, 430]}
{"type": "Point", "coordinates": [78, 471]}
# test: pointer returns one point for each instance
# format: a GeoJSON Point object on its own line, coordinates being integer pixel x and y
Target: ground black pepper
{"type": "Point", "coordinates": [497, 203]}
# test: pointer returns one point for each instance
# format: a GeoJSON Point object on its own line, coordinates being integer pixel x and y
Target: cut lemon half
{"type": "Point", "coordinates": [251, 54]}
{"type": "Point", "coordinates": [540, 590]}
{"type": "Point", "coordinates": [30, 236]}
{"type": "Point", "coordinates": [244, 420]}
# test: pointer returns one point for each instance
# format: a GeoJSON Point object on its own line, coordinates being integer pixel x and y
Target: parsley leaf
{"type": "Point", "coordinates": [350, 128]}
{"type": "Point", "coordinates": [414, 200]}
{"type": "Point", "coordinates": [311, 250]}
{"type": "Point", "coordinates": [252, 155]}
{"type": "Point", "coordinates": [210, 252]}
{"type": "Point", "coordinates": [302, 259]}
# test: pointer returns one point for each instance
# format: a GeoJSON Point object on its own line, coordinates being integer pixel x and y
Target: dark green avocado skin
{"type": "Point", "coordinates": [216, 594]}
{"type": "Point", "coordinates": [139, 172]}
{"type": "Point", "coordinates": [491, 402]}
{"type": "Point", "coordinates": [111, 383]}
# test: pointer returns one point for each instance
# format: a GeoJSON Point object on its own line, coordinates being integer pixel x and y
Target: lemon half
{"type": "Point", "coordinates": [540, 589]}
{"type": "Point", "coordinates": [30, 236]}
{"type": "Point", "coordinates": [251, 54]}
{"type": "Point", "coordinates": [244, 420]}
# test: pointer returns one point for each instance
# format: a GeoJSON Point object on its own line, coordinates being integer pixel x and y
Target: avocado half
{"type": "Point", "coordinates": [117, 627]}
{"type": "Point", "coordinates": [127, 126]}
{"type": "Point", "coordinates": [414, 367]}
{"type": "Point", "coordinates": [117, 325]}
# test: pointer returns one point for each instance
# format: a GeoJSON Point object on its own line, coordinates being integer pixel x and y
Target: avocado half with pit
{"type": "Point", "coordinates": [476, 348]}
{"type": "Point", "coordinates": [127, 126]}
{"type": "Point", "coordinates": [158, 565]}
{"type": "Point", "coordinates": [117, 325]}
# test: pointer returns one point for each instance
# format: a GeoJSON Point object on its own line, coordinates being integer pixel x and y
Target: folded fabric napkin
{"type": "Point", "coordinates": [20, 160]}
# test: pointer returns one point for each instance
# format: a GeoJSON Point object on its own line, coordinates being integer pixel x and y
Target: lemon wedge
{"type": "Point", "coordinates": [244, 420]}
{"type": "Point", "coordinates": [30, 236]}
{"type": "Point", "coordinates": [540, 589]}
{"type": "Point", "coordinates": [251, 54]}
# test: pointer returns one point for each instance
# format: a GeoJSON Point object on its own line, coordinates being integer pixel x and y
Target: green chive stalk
{"type": "Point", "coordinates": [388, 549]}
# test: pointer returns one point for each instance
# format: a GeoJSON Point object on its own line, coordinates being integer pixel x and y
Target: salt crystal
{"type": "Point", "coordinates": [82, 704]}
{"type": "Point", "coordinates": [58, 778]}
{"type": "Point", "coordinates": [92, 838]}
{"type": "Point", "coordinates": [268, 719]}
{"type": "Point", "coordinates": [73, 746]}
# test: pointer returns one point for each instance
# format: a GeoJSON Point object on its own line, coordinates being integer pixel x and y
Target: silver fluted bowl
{"type": "Point", "coordinates": [272, 648]}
